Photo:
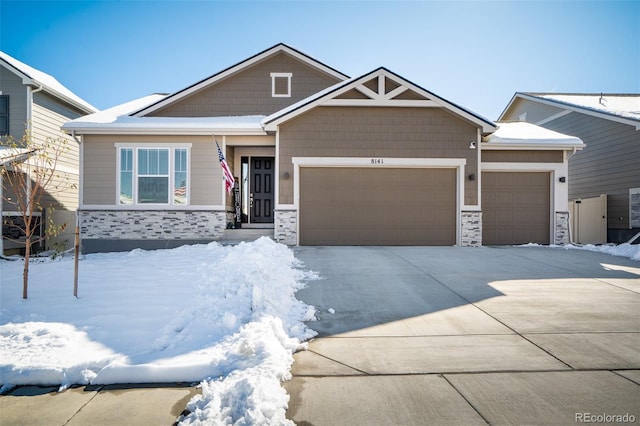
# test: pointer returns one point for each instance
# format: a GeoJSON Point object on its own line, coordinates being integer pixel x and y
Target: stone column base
{"type": "Point", "coordinates": [471, 229]}
{"type": "Point", "coordinates": [561, 232]}
{"type": "Point", "coordinates": [286, 227]}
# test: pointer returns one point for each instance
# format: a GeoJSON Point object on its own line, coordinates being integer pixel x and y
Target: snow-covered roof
{"type": "Point", "coordinates": [9, 155]}
{"type": "Point", "coordinates": [31, 75]}
{"type": "Point", "coordinates": [621, 108]}
{"type": "Point", "coordinates": [627, 106]}
{"type": "Point", "coordinates": [117, 120]}
{"type": "Point", "coordinates": [524, 135]}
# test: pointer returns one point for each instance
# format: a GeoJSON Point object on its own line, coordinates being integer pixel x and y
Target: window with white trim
{"type": "Point", "coordinates": [281, 84]}
{"type": "Point", "coordinates": [153, 175]}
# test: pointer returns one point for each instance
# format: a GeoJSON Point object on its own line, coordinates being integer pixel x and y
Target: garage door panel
{"type": "Point", "coordinates": [356, 206]}
{"type": "Point", "coordinates": [516, 207]}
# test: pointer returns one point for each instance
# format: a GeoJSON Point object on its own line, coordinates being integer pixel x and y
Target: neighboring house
{"type": "Point", "coordinates": [609, 125]}
{"type": "Point", "coordinates": [33, 101]}
{"type": "Point", "coordinates": [321, 158]}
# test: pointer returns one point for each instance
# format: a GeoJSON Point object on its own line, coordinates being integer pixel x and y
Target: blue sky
{"type": "Point", "coordinates": [475, 54]}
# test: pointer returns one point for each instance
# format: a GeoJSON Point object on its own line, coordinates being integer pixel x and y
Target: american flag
{"type": "Point", "coordinates": [229, 181]}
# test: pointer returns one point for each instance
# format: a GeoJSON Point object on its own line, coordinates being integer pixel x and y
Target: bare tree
{"type": "Point", "coordinates": [29, 176]}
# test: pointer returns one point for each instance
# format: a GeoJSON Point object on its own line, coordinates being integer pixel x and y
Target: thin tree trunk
{"type": "Point", "coordinates": [25, 273]}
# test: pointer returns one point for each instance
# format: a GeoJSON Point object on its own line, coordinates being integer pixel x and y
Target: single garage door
{"type": "Point", "coordinates": [515, 208]}
{"type": "Point", "coordinates": [377, 206]}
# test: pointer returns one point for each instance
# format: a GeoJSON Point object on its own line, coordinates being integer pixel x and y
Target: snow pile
{"type": "Point", "coordinates": [632, 251]}
{"type": "Point", "coordinates": [224, 314]}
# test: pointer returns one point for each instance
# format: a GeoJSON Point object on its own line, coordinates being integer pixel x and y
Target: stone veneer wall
{"type": "Point", "coordinates": [471, 224]}
{"type": "Point", "coordinates": [152, 224]}
{"type": "Point", "coordinates": [286, 227]}
{"type": "Point", "coordinates": [562, 228]}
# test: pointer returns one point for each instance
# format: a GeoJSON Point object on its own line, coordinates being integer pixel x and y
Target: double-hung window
{"type": "Point", "coordinates": [153, 175]}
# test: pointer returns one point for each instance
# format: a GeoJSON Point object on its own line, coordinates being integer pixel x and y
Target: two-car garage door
{"type": "Point", "coordinates": [377, 206]}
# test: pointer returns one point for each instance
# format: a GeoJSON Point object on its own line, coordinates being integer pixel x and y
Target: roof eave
{"type": "Point", "coordinates": [533, 146]}
{"type": "Point", "coordinates": [196, 131]}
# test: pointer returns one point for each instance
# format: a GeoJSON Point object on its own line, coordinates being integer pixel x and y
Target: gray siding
{"type": "Point", "coordinates": [609, 164]}
{"type": "Point", "coordinates": [249, 91]}
{"type": "Point", "coordinates": [11, 84]}
{"type": "Point", "coordinates": [534, 111]}
{"type": "Point", "coordinates": [377, 132]}
{"type": "Point", "coordinates": [99, 186]}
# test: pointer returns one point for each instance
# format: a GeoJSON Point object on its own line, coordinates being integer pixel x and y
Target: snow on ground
{"type": "Point", "coordinates": [632, 251]}
{"type": "Point", "coordinates": [224, 315]}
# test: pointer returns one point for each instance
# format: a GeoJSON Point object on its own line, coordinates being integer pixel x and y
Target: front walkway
{"type": "Point", "coordinates": [448, 335]}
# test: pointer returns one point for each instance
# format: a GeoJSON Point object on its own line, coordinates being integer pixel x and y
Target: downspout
{"type": "Point", "coordinates": [80, 167]}
{"type": "Point", "coordinates": [80, 180]}
{"type": "Point", "coordinates": [30, 93]}
{"type": "Point", "coordinates": [570, 218]}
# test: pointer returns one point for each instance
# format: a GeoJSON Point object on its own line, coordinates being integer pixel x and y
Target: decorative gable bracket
{"type": "Point", "coordinates": [381, 90]}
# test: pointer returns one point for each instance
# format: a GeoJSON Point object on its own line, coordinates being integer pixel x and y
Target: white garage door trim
{"type": "Point", "coordinates": [381, 162]}
{"type": "Point", "coordinates": [559, 199]}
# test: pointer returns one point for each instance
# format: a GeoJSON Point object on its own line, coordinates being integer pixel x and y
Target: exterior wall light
{"type": "Point", "coordinates": [562, 179]}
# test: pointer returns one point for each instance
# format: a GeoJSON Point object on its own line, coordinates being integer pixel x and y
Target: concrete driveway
{"type": "Point", "coordinates": [450, 335]}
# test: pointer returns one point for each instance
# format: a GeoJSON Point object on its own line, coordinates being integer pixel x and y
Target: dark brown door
{"type": "Point", "coordinates": [261, 191]}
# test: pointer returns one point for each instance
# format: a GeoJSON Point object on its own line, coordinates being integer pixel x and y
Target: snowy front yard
{"type": "Point", "coordinates": [223, 315]}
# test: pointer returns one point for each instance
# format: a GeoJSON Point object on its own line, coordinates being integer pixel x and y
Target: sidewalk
{"type": "Point", "coordinates": [95, 405]}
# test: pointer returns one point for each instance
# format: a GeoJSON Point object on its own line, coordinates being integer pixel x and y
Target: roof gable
{"type": "Point", "coordinates": [32, 76]}
{"type": "Point", "coordinates": [377, 88]}
{"type": "Point", "coordinates": [237, 68]}
{"type": "Point", "coordinates": [622, 108]}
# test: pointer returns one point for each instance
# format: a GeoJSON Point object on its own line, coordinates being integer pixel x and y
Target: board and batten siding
{"type": "Point", "coordinates": [100, 156]}
{"type": "Point", "coordinates": [248, 92]}
{"type": "Point", "coordinates": [609, 164]}
{"type": "Point", "coordinates": [11, 85]}
{"type": "Point", "coordinates": [376, 132]}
